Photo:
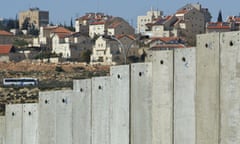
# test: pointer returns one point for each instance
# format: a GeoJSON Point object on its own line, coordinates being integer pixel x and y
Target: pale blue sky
{"type": "Point", "coordinates": [61, 11]}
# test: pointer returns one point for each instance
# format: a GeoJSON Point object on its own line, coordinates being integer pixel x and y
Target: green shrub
{"type": "Point", "coordinates": [59, 69]}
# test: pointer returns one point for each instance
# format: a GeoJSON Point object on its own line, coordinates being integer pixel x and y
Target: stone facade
{"type": "Point", "coordinates": [36, 17]}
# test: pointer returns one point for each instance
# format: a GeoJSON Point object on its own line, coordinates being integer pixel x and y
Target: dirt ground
{"type": "Point", "coordinates": [51, 77]}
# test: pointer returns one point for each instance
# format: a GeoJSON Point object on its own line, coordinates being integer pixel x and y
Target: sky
{"type": "Point", "coordinates": [62, 11]}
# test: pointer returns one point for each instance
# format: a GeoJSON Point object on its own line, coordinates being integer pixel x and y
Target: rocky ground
{"type": "Point", "coordinates": [51, 77]}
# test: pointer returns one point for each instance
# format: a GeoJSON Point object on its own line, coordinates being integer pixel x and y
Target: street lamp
{"type": "Point", "coordinates": [123, 48]}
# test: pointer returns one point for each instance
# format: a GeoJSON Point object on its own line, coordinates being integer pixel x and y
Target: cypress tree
{"type": "Point", "coordinates": [219, 19]}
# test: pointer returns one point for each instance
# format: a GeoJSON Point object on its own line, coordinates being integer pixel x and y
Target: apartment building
{"type": "Point", "coordinates": [97, 28]}
{"type": "Point", "coordinates": [151, 17]}
{"type": "Point", "coordinates": [82, 23]}
{"type": "Point", "coordinates": [163, 27]}
{"type": "Point", "coordinates": [190, 23]}
{"type": "Point", "coordinates": [187, 22]}
{"type": "Point", "coordinates": [35, 17]}
{"type": "Point", "coordinates": [62, 41]}
{"type": "Point", "coordinates": [235, 20]}
{"type": "Point", "coordinates": [198, 6]}
{"type": "Point", "coordinates": [112, 26]}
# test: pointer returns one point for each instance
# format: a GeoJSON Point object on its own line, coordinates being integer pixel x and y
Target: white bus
{"type": "Point", "coordinates": [20, 81]}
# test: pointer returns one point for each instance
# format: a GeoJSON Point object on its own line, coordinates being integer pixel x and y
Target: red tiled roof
{"type": "Point", "coordinates": [164, 39]}
{"type": "Point", "coordinates": [2, 32]}
{"type": "Point", "coordinates": [218, 25]}
{"type": "Point", "coordinates": [98, 23]}
{"type": "Point", "coordinates": [61, 30]}
{"type": "Point", "coordinates": [169, 46]}
{"type": "Point", "coordinates": [5, 49]}
{"type": "Point", "coordinates": [63, 35]}
{"type": "Point", "coordinates": [184, 11]}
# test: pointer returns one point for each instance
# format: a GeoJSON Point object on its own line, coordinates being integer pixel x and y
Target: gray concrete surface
{"type": "Point", "coordinates": [2, 129]}
{"type": "Point", "coordinates": [64, 131]}
{"type": "Point", "coordinates": [30, 124]}
{"type": "Point", "coordinates": [14, 124]}
{"type": "Point", "coordinates": [141, 103]}
{"type": "Point", "coordinates": [47, 118]}
{"type": "Point", "coordinates": [55, 117]}
{"type": "Point", "coordinates": [162, 97]}
{"type": "Point", "coordinates": [230, 87]}
{"type": "Point", "coordinates": [101, 93]}
{"type": "Point", "coordinates": [81, 111]}
{"type": "Point", "coordinates": [184, 96]}
{"type": "Point", "coordinates": [120, 102]}
{"type": "Point", "coordinates": [207, 98]}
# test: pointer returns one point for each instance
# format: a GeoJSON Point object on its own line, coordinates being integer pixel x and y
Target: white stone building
{"type": "Point", "coordinates": [101, 53]}
{"type": "Point", "coordinates": [97, 28]}
{"type": "Point", "coordinates": [151, 16]}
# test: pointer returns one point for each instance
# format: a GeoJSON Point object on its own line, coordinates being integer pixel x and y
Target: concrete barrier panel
{"type": "Point", "coordinates": [30, 124]}
{"type": "Point", "coordinates": [81, 102]}
{"type": "Point", "coordinates": [208, 79]}
{"type": "Point", "coordinates": [141, 103]}
{"type": "Point", "coordinates": [64, 117]}
{"type": "Point", "coordinates": [120, 101]}
{"type": "Point", "coordinates": [162, 97]}
{"type": "Point", "coordinates": [47, 118]}
{"type": "Point", "coordinates": [2, 129]}
{"type": "Point", "coordinates": [184, 95]}
{"type": "Point", "coordinates": [14, 124]}
{"type": "Point", "coordinates": [230, 87]}
{"type": "Point", "coordinates": [101, 93]}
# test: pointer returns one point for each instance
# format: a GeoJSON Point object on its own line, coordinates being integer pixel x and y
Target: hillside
{"type": "Point", "coordinates": [51, 77]}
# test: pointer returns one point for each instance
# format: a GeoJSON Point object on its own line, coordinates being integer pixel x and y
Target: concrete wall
{"type": "Point", "coordinates": [181, 96]}
{"type": "Point", "coordinates": [162, 97]}
{"type": "Point", "coordinates": [141, 103]}
{"type": "Point", "coordinates": [64, 129]}
{"type": "Point", "coordinates": [47, 118]}
{"type": "Point", "coordinates": [55, 117]}
{"type": "Point", "coordinates": [184, 96]}
{"type": "Point", "coordinates": [30, 124]}
{"type": "Point", "coordinates": [120, 105]}
{"type": "Point", "coordinates": [217, 101]}
{"type": "Point", "coordinates": [81, 111]}
{"type": "Point", "coordinates": [230, 88]}
{"type": "Point", "coordinates": [2, 129]}
{"type": "Point", "coordinates": [14, 124]}
{"type": "Point", "coordinates": [101, 110]}
{"type": "Point", "coordinates": [207, 98]}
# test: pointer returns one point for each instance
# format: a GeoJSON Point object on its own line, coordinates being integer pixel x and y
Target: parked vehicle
{"type": "Point", "coordinates": [20, 81]}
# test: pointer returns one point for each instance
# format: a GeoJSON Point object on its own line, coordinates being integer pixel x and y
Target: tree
{"type": "Point", "coordinates": [16, 22]}
{"type": "Point", "coordinates": [20, 43]}
{"type": "Point", "coordinates": [85, 56]}
{"type": "Point", "coordinates": [33, 31]}
{"type": "Point", "coordinates": [10, 24]}
{"type": "Point", "coordinates": [25, 24]}
{"type": "Point", "coordinates": [71, 23]}
{"type": "Point", "coordinates": [219, 19]}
